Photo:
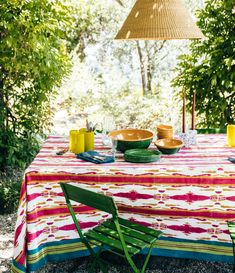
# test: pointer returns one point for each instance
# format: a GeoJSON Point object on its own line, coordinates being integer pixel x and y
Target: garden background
{"type": "Point", "coordinates": [60, 65]}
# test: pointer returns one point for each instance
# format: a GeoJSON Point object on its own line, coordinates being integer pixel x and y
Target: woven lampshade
{"type": "Point", "coordinates": [159, 20]}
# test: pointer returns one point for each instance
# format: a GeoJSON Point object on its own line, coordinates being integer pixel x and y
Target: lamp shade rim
{"type": "Point", "coordinates": [159, 20]}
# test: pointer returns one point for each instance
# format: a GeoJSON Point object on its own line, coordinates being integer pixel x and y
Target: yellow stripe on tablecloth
{"type": "Point", "coordinates": [53, 250]}
{"type": "Point", "coordinates": [195, 247]}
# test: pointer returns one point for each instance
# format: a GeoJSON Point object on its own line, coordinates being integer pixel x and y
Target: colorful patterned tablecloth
{"type": "Point", "coordinates": [189, 196]}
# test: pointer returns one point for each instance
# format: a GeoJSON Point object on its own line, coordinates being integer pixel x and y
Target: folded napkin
{"type": "Point", "coordinates": [95, 157]}
{"type": "Point", "coordinates": [231, 159]}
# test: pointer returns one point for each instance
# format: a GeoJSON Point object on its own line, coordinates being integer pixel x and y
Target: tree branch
{"type": "Point", "coordinates": [119, 2]}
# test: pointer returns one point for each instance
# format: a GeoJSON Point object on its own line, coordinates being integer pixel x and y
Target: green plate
{"type": "Point", "coordinates": [142, 155]}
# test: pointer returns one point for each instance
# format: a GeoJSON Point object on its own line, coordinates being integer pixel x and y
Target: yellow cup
{"type": "Point", "coordinates": [89, 141]}
{"type": "Point", "coordinates": [76, 142]}
{"type": "Point", "coordinates": [231, 135]}
{"type": "Point", "coordinates": [82, 130]}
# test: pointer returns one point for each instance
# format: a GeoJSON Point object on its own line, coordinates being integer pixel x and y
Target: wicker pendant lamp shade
{"type": "Point", "coordinates": [159, 20]}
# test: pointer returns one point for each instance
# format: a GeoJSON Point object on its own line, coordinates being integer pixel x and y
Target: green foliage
{"type": "Point", "coordinates": [90, 19]}
{"type": "Point", "coordinates": [127, 107]}
{"type": "Point", "coordinates": [134, 111]}
{"type": "Point", "coordinates": [33, 60]}
{"type": "Point", "coordinates": [10, 184]}
{"type": "Point", "coordinates": [210, 68]}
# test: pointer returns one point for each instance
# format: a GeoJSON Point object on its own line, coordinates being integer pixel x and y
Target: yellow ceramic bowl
{"type": "Point", "coordinates": [132, 138]}
{"type": "Point", "coordinates": [164, 128]}
{"type": "Point", "coordinates": [165, 135]}
{"type": "Point", "coordinates": [168, 146]}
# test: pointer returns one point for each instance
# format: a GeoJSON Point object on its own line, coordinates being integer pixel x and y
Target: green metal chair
{"type": "Point", "coordinates": [231, 228]}
{"type": "Point", "coordinates": [117, 235]}
{"type": "Point", "coordinates": [211, 130]}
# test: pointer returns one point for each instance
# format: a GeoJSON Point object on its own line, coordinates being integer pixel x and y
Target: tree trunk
{"type": "Point", "coordinates": [149, 72]}
{"type": "Point", "coordinates": [142, 69]}
{"type": "Point", "coordinates": [2, 107]}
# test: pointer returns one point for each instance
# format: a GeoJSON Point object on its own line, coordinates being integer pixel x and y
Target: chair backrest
{"type": "Point", "coordinates": [89, 198]}
{"type": "Point", "coordinates": [211, 130]}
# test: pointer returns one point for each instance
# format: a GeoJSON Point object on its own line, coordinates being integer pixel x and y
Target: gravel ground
{"type": "Point", "coordinates": [156, 264]}
{"type": "Point", "coordinates": [7, 225]}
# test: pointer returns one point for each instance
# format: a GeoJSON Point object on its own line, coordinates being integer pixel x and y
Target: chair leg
{"type": "Point", "coordinates": [98, 263]}
{"type": "Point", "coordinates": [233, 257]}
{"type": "Point", "coordinates": [132, 264]}
{"type": "Point", "coordinates": [103, 266]}
{"type": "Point", "coordinates": [93, 266]}
{"type": "Point", "coordinates": [147, 259]}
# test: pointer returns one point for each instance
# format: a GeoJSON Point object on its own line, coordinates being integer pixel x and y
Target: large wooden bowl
{"type": "Point", "coordinates": [132, 138]}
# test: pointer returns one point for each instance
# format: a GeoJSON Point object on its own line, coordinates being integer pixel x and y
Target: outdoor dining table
{"type": "Point", "coordinates": [189, 196]}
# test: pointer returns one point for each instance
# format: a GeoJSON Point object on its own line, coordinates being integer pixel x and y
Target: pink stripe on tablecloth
{"type": "Point", "coordinates": [37, 213]}
{"type": "Point", "coordinates": [205, 213]}
{"type": "Point", "coordinates": [120, 178]}
{"type": "Point", "coordinates": [87, 164]}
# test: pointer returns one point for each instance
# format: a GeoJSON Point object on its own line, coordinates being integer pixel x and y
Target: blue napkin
{"type": "Point", "coordinates": [231, 159]}
{"type": "Point", "coordinates": [95, 157]}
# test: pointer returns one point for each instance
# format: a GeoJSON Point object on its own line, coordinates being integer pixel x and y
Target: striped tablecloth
{"type": "Point", "coordinates": [189, 196]}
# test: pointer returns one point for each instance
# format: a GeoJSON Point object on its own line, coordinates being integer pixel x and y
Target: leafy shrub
{"type": "Point", "coordinates": [210, 67]}
{"type": "Point", "coordinates": [10, 185]}
{"type": "Point", "coordinates": [34, 60]}
{"type": "Point", "coordinates": [127, 107]}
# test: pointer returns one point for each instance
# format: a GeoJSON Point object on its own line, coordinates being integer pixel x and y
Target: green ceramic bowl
{"type": "Point", "coordinates": [132, 138]}
{"type": "Point", "coordinates": [168, 146]}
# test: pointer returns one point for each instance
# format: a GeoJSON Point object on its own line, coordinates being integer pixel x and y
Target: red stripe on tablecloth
{"type": "Point", "coordinates": [33, 235]}
{"type": "Point", "coordinates": [18, 231]}
{"type": "Point", "coordinates": [189, 197]}
{"type": "Point", "coordinates": [172, 212]}
{"type": "Point", "coordinates": [33, 215]}
{"type": "Point", "coordinates": [186, 228]}
{"type": "Point", "coordinates": [205, 213]}
{"type": "Point", "coordinates": [33, 196]}
{"type": "Point", "coordinates": [119, 178]}
{"type": "Point", "coordinates": [133, 195]}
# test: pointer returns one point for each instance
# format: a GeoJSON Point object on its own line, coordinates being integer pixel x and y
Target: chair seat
{"type": "Point", "coordinates": [137, 237]}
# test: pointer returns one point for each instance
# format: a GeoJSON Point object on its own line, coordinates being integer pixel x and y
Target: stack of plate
{"type": "Point", "coordinates": [142, 155]}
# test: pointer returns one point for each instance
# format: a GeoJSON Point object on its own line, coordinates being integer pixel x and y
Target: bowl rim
{"type": "Point", "coordinates": [130, 129]}
{"type": "Point", "coordinates": [169, 147]}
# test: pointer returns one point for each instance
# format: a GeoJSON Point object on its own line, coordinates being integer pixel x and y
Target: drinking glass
{"type": "Point", "coordinates": [231, 135]}
{"type": "Point", "coordinates": [108, 125]}
{"type": "Point", "coordinates": [189, 138]}
{"type": "Point", "coordinates": [186, 139]}
{"type": "Point", "coordinates": [114, 146]}
{"type": "Point", "coordinates": [192, 137]}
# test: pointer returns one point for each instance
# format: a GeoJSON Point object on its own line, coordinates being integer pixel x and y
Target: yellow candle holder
{"type": "Point", "coordinates": [89, 141]}
{"type": "Point", "coordinates": [76, 142]}
{"type": "Point", "coordinates": [231, 135]}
